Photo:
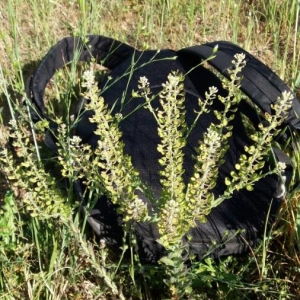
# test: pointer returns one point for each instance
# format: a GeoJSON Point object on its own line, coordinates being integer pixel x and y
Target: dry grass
{"type": "Point", "coordinates": [264, 28]}
{"type": "Point", "coordinates": [146, 24]}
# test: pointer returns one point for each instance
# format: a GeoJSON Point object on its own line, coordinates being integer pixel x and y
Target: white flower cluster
{"type": "Point", "coordinates": [88, 79]}
{"type": "Point", "coordinates": [137, 209]}
{"type": "Point", "coordinates": [281, 166]}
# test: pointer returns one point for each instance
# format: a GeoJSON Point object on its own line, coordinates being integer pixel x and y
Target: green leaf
{"type": "Point", "coordinates": [167, 261]}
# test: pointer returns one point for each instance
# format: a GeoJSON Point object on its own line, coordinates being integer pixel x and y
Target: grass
{"type": "Point", "coordinates": [47, 258]}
